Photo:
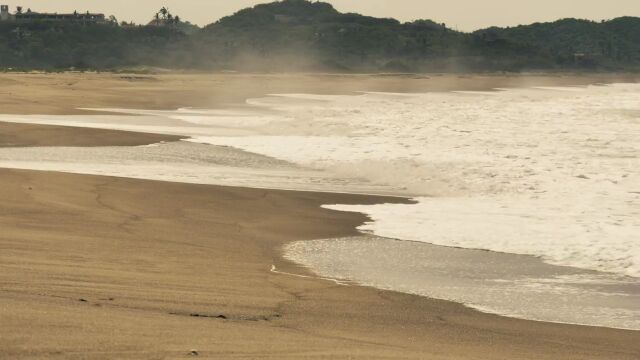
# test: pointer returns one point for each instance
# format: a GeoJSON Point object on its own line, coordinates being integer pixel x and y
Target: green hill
{"type": "Point", "coordinates": [51, 46]}
{"type": "Point", "coordinates": [301, 35]}
{"type": "Point", "coordinates": [571, 42]}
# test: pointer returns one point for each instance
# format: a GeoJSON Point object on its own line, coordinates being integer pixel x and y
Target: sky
{"type": "Point", "coordinates": [464, 15]}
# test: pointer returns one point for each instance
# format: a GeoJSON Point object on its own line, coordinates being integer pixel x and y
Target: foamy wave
{"type": "Point", "coordinates": [551, 172]}
{"type": "Point", "coordinates": [568, 235]}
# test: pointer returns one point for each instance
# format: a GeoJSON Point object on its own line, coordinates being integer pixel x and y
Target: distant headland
{"type": "Point", "coordinates": [300, 35]}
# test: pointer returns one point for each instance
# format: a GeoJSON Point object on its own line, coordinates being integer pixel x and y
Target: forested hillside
{"type": "Point", "coordinates": [298, 35]}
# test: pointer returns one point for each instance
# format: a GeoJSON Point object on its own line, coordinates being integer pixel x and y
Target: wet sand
{"type": "Point", "coordinates": [26, 135]}
{"type": "Point", "coordinates": [520, 286]}
{"type": "Point", "coordinates": [102, 268]}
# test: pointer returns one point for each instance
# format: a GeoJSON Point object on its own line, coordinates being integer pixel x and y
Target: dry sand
{"type": "Point", "coordinates": [107, 268]}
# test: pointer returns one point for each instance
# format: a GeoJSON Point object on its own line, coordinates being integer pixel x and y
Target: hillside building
{"type": "Point", "coordinates": [32, 16]}
{"type": "Point", "coordinates": [4, 13]}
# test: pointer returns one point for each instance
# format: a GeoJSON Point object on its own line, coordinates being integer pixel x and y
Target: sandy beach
{"type": "Point", "coordinates": [68, 93]}
{"type": "Point", "coordinates": [98, 267]}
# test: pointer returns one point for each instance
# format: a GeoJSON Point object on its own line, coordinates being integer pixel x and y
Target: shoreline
{"type": "Point", "coordinates": [16, 135]}
{"type": "Point", "coordinates": [485, 274]}
{"type": "Point", "coordinates": [243, 286]}
{"type": "Point", "coordinates": [404, 199]}
{"type": "Point", "coordinates": [142, 226]}
{"type": "Point", "coordinates": [68, 93]}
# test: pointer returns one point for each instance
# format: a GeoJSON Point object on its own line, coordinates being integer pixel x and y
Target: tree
{"type": "Point", "coordinates": [164, 11]}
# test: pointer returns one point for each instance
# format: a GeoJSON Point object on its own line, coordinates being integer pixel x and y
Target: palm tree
{"type": "Point", "coordinates": [164, 11]}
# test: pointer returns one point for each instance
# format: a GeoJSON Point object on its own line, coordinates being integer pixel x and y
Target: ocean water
{"type": "Point", "coordinates": [549, 172]}
{"type": "Point", "coordinates": [183, 162]}
{"type": "Point", "coordinates": [553, 173]}
{"type": "Point", "coordinates": [505, 284]}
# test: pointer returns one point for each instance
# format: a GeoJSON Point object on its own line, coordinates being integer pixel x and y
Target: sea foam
{"type": "Point", "coordinates": [550, 172]}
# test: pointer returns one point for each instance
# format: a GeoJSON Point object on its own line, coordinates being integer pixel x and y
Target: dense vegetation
{"type": "Point", "coordinates": [301, 35]}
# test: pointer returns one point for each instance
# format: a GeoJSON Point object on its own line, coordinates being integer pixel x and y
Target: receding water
{"type": "Point", "coordinates": [505, 284]}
